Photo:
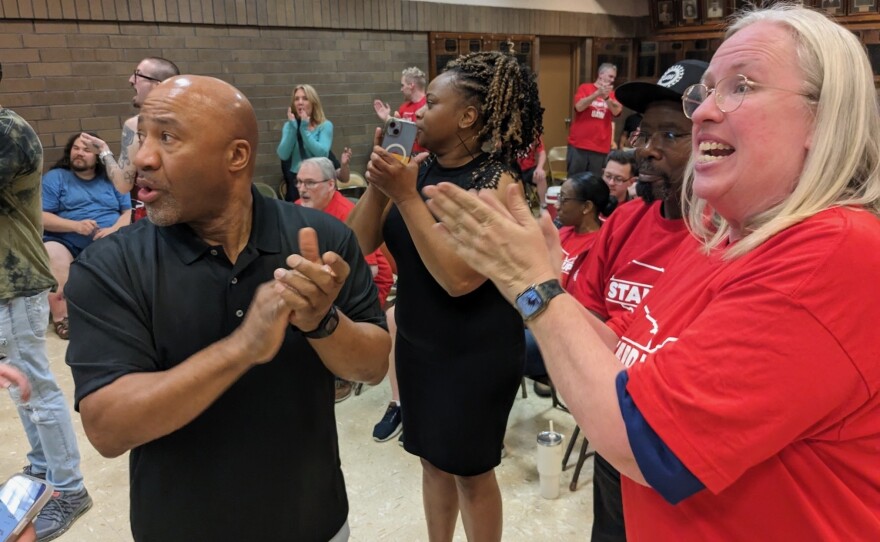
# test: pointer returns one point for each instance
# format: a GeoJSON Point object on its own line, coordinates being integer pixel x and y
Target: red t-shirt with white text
{"type": "Point", "coordinates": [575, 247]}
{"type": "Point", "coordinates": [591, 128]}
{"type": "Point", "coordinates": [633, 248]}
{"type": "Point", "coordinates": [762, 375]}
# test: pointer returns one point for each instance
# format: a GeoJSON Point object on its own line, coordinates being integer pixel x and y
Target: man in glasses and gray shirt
{"type": "Point", "coordinates": [149, 72]}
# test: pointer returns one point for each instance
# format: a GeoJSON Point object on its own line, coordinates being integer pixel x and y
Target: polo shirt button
{"type": "Point", "coordinates": [234, 280]}
{"type": "Point", "coordinates": [239, 313]}
{"type": "Point", "coordinates": [213, 252]}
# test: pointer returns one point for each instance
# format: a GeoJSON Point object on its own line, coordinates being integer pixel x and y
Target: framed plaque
{"type": "Point", "coordinates": [831, 7]}
{"type": "Point", "coordinates": [858, 7]}
{"type": "Point", "coordinates": [689, 12]}
{"type": "Point", "coordinates": [664, 13]}
{"type": "Point", "coordinates": [715, 10]}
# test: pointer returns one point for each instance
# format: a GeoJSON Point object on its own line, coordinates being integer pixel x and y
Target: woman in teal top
{"type": "Point", "coordinates": [306, 134]}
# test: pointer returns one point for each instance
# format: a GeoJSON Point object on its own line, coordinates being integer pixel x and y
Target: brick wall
{"type": "Point", "coordinates": [64, 77]}
{"type": "Point", "coordinates": [66, 62]}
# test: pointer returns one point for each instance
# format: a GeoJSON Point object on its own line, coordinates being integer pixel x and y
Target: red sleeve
{"type": "Point", "coordinates": [583, 91]}
{"type": "Point", "coordinates": [588, 288]}
{"type": "Point", "coordinates": [753, 373]}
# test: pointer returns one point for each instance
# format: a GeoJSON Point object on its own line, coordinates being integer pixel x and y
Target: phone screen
{"type": "Point", "coordinates": [17, 496]}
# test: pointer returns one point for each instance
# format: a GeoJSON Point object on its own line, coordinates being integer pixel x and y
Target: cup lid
{"type": "Point", "coordinates": [549, 438]}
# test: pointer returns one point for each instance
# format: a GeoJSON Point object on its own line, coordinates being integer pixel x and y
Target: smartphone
{"type": "Point", "coordinates": [21, 499]}
{"type": "Point", "coordinates": [398, 138]}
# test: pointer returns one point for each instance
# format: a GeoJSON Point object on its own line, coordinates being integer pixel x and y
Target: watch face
{"type": "Point", "coordinates": [529, 302]}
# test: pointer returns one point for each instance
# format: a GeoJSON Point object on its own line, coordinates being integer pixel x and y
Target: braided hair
{"type": "Point", "coordinates": [506, 95]}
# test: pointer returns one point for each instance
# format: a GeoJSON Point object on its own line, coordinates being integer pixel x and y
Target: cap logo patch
{"type": "Point", "coordinates": [672, 76]}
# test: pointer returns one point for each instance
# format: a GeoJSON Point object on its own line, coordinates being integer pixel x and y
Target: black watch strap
{"type": "Point", "coordinates": [534, 299]}
{"type": "Point", "coordinates": [326, 327]}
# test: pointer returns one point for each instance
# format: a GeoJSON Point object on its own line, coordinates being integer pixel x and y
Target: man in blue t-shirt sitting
{"type": "Point", "coordinates": [80, 205]}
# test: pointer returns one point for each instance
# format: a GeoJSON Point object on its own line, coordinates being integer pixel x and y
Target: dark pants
{"type": "Point", "coordinates": [580, 160]}
{"type": "Point", "coordinates": [607, 503]}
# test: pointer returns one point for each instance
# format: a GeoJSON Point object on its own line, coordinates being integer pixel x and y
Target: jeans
{"type": "Point", "coordinates": [46, 418]}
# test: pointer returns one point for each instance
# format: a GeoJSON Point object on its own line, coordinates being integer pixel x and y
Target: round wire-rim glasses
{"type": "Point", "coordinates": [729, 94]}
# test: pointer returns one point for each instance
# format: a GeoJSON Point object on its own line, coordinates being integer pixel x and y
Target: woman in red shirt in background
{"type": "Point", "coordinates": [582, 199]}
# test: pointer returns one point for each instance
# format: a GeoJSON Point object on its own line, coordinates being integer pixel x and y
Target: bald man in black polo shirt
{"type": "Point", "coordinates": [206, 338]}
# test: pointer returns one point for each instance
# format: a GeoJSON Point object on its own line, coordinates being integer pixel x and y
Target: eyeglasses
{"type": "Point", "coordinates": [641, 139]}
{"type": "Point", "coordinates": [563, 199]}
{"type": "Point", "coordinates": [311, 184]}
{"type": "Point", "coordinates": [729, 94]}
{"type": "Point", "coordinates": [616, 179]}
{"type": "Point", "coordinates": [147, 77]}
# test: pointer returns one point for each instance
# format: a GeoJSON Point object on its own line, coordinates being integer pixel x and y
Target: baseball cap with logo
{"type": "Point", "coordinates": [638, 95]}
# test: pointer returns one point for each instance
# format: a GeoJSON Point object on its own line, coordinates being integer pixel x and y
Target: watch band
{"type": "Point", "coordinates": [534, 299]}
{"type": "Point", "coordinates": [103, 156]}
{"type": "Point", "coordinates": [326, 327]}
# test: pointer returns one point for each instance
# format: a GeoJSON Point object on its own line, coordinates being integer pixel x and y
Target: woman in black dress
{"type": "Point", "coordinates": [459, 348]}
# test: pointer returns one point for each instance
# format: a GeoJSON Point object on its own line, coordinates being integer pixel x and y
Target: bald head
{"type": "Point", "coordinates": [198, 140]}
{"type": "Point", "coordinates": [224, 107]}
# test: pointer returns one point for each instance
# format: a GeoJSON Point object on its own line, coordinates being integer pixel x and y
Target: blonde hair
{"type": "Point", "coordinates": [842, 165]}
{"type": "Point", "coordinates": [415, 76]}
{"type": "Point", "coordinates": [317, 116]}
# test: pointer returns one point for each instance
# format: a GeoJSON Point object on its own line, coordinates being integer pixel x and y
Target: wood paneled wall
{"type": "Point", "coordinates": [383, 15]}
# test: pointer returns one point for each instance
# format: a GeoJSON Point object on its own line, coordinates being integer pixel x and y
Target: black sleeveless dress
{"type": "Point", "coordinates": [459, 359]}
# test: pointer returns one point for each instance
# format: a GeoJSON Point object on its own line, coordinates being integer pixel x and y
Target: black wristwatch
{"type": "Point", "coordinates": [534, 300]}
{"type": "Point", "coordinates": [326, 327]}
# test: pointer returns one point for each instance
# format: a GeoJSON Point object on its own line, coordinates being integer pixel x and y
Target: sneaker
{"type": "Point", "coordinates": [343, 389]}
{"type": "Point", "coordinates": [389, 425]}
{"type": "Point", "coordinates": [60, 512]}
{"type": "Point", "coordinates": [400, 439]}
{"type": "Point", "coordinates": [503, 451]}
{"type": "Point", "coordinates": [29, 471]}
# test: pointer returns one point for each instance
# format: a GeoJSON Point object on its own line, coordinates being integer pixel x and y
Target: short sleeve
{"type": "Point", "coordinates": [121, 328]}
{"type": "Point", "coordinates": [754, 372]}
{"type": "Point", "coordinates": [52, 191]}
{"type": "Point", "coordinates": [124, 200]}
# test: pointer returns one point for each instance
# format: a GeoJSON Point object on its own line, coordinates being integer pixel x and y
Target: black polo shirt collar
{"type": "Point", "coordinates": [265, 233]}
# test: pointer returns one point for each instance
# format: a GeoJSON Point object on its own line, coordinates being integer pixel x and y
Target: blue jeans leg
{"type": "Point", "coordinates": [46, 418]}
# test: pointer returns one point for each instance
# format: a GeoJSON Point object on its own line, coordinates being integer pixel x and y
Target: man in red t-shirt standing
{"type": "Point", "coordinates": [412, 85]}
{"type": "Point", "coordinates": [589, 138]}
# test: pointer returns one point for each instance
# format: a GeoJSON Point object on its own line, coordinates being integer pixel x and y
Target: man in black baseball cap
{"type": "Point", "coordinates": [637, 241]}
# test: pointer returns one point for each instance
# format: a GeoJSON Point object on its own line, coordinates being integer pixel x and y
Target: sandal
{"type": "Point", "coordinates": [62, 328]}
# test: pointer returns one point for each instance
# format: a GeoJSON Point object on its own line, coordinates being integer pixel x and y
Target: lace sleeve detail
{"type": "Point", "coordinates": [489, 174]}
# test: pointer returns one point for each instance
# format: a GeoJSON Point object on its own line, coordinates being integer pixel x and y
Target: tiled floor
{"type": "Point", "coordinates": [383, 480]}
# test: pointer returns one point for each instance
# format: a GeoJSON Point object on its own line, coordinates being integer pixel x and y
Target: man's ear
{"type": "Point", "coordinates": [238, 154]}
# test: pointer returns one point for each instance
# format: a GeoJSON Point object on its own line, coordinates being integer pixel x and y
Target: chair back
{"type": "Point", "coordinates": [354, 188]}
{"type": "Point", "coordinates": [556, 162]}
{"type": "Point", "coordinates": [266, 190]}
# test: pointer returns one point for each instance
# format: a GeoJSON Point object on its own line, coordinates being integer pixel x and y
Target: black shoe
{"type": "Point", "coordinates": [343, 389]}
{"type": "Point", "coordinates": [29, 471]}
{"type": "Point", "coordinates": [60, 512]}
{"type": "Point", "coordinates": [389, 425]}
{"type": "Point", "coordinates": [400, 440]}
{"type": "Point", "coordinates": [541, 389]}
